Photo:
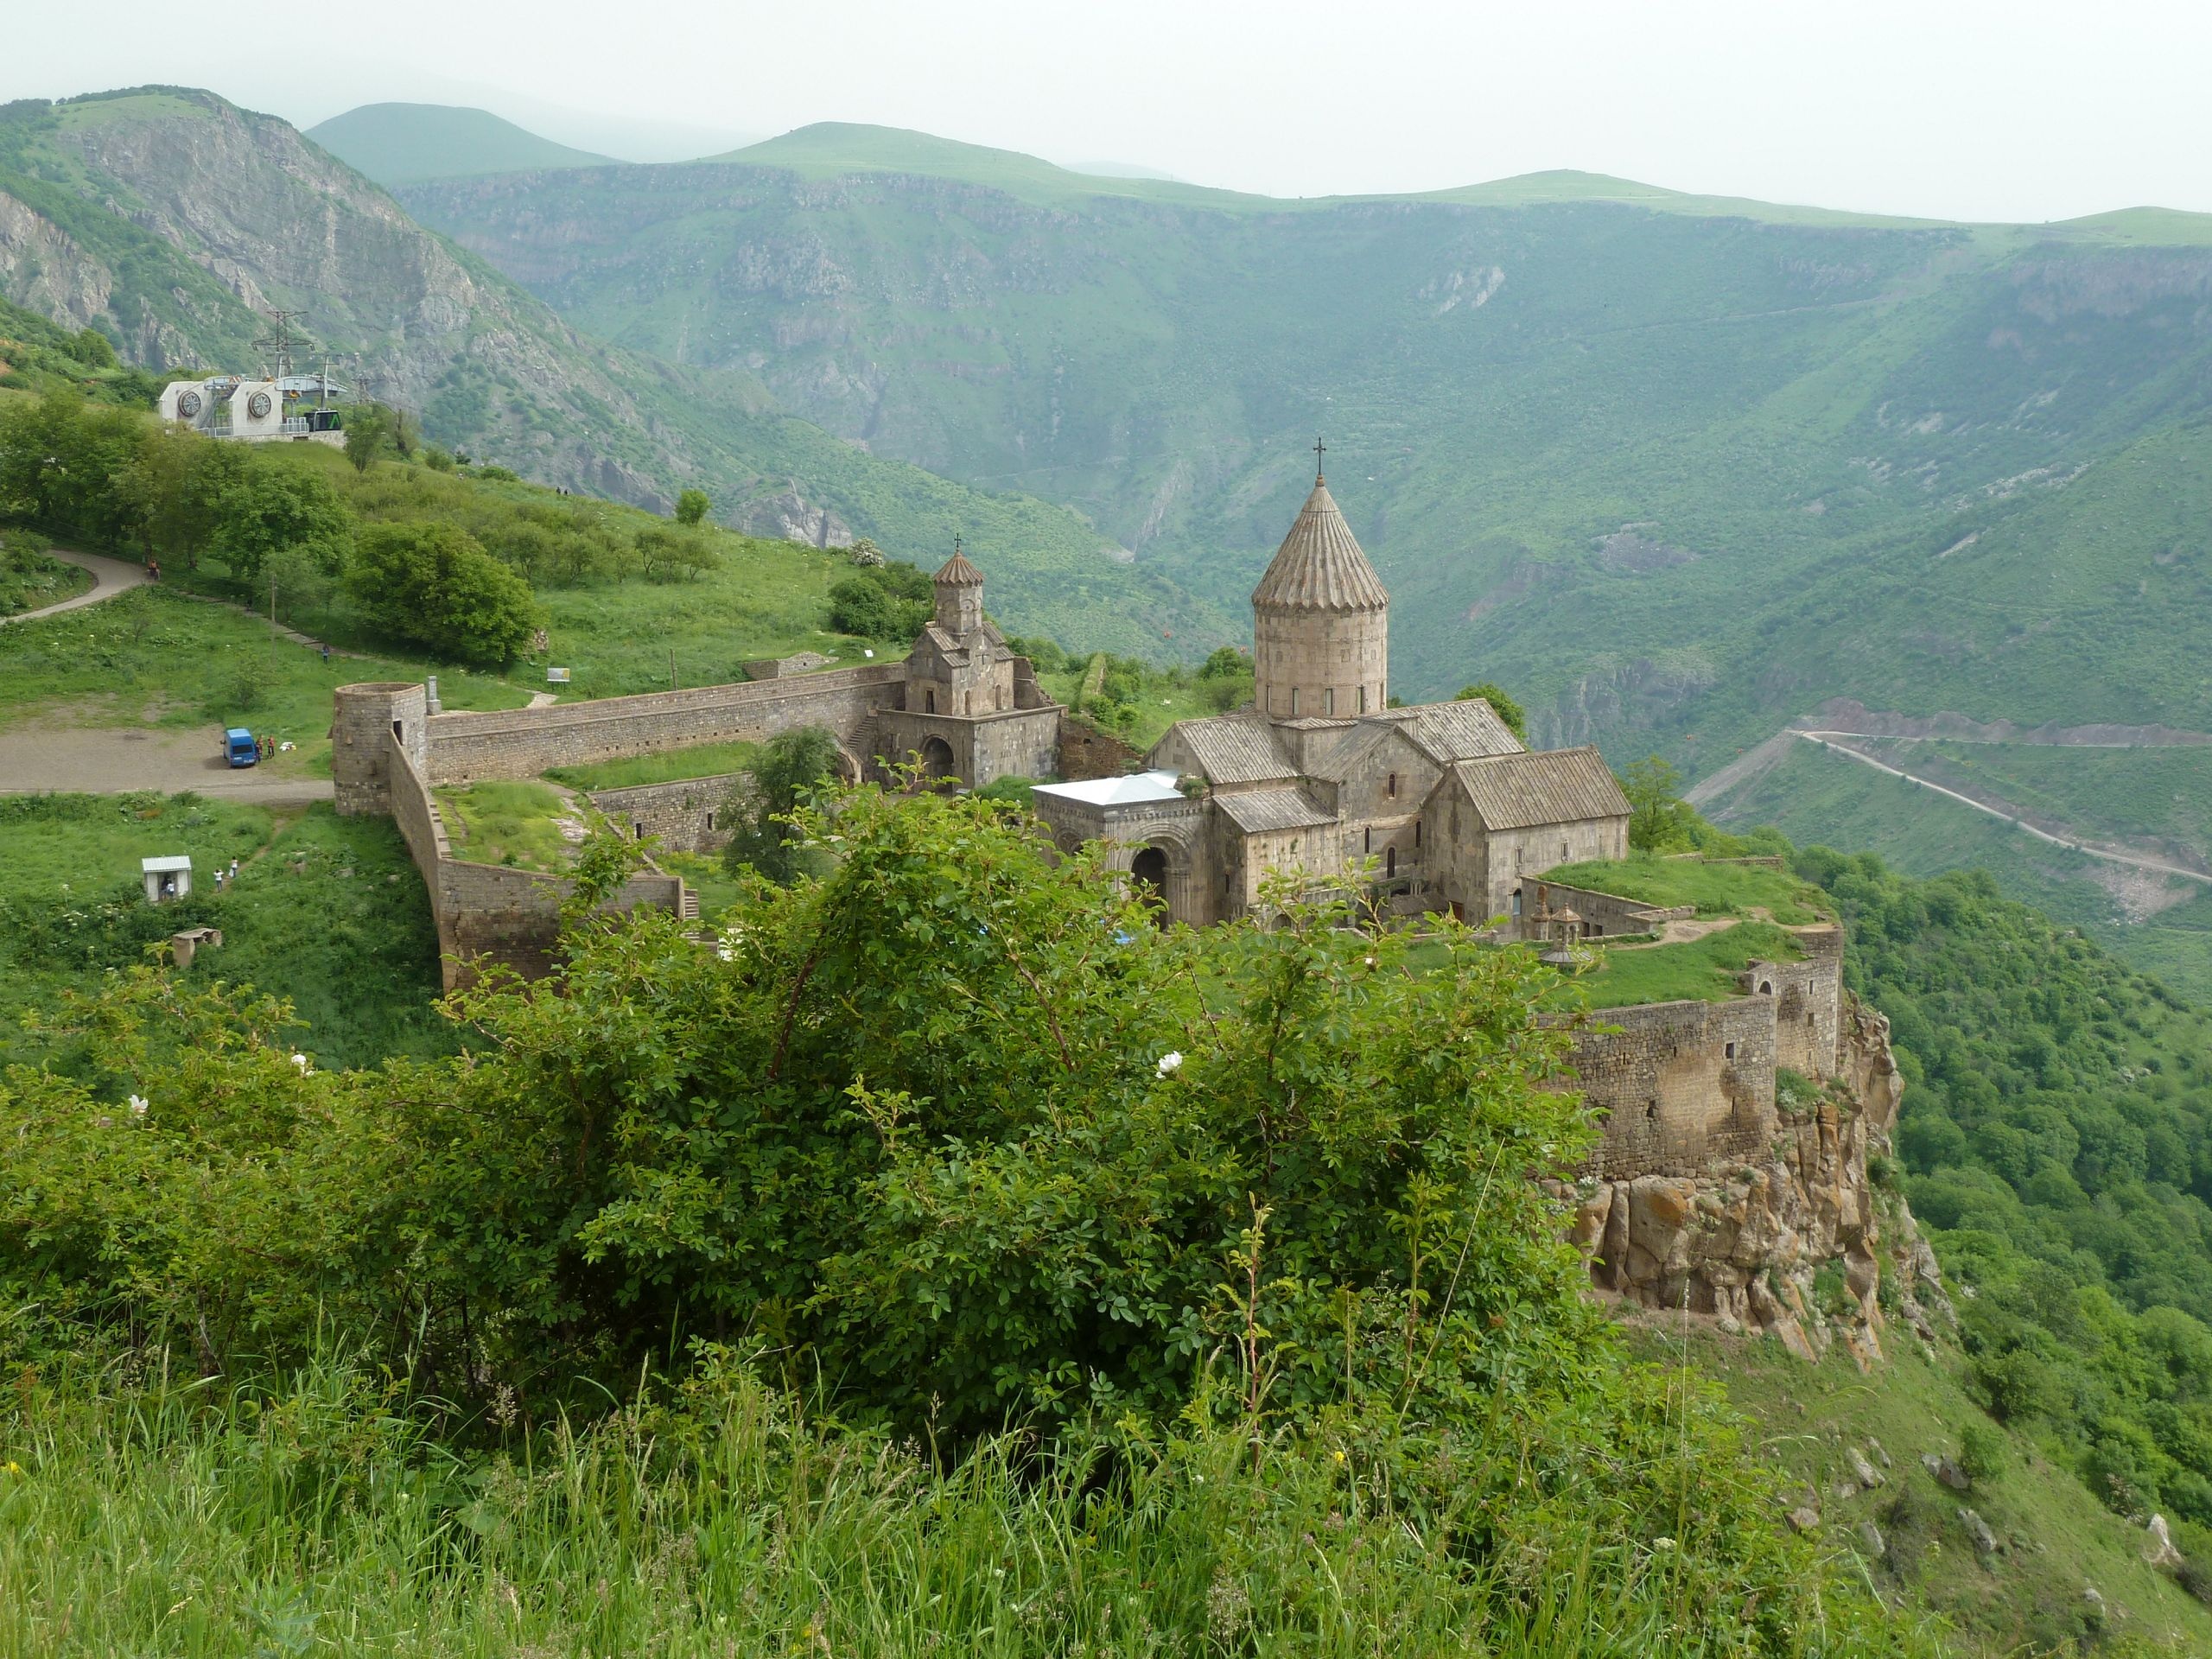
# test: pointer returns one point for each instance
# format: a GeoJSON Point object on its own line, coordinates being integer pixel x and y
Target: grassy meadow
{"type": "Point", "coordinates": [1716, 887]}
{"type": "Point", "coordinates": [327, 911]}
{"type": "Point", "coordinates": [512, 822]}
{"type": "Point", "coordinates": [667, 766]}
{"type": "Point", "coordinates": [157, 657]}
{"type": "Point", "coordinates": [2057, 1542]}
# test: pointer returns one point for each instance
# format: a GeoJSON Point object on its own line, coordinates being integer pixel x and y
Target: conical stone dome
{"type": "Point", "coordinates": [1319, 566]}
{"type": "Point", "coordinates": [1320, 622]}
{"type": "Point", "coordinates": [958, 572]}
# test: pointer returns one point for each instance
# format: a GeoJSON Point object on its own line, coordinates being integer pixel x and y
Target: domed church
{"type": "Point", "coordinates": [1319, 776]}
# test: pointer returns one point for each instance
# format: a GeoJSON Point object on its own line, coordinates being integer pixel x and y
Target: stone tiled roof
{"type": "Point", "coordinates": [1232, 749]}
{"type": "Point", "coordinates": [1319, 566]}
{"type": "Point", "coordinates": [947, 644]}
{"type": "Point", "coordinates": [959, 572]}
{"type": "Point", "coordinates": [1338, 762]}
{"type": "Point", "coordinates": [1255, 809]}
{"type": "Point", "coordinates": [1454, 731]}
{"type": "Point", "coordinates": [1520, 791]}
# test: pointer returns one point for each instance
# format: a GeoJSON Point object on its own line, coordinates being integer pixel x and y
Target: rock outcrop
{"type": "Point", "coordinates": [1794, 1243]}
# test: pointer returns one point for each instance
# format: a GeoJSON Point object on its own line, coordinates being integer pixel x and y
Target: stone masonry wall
{"type": "Point", "coordinates": [1807, 997]}
{"type": "Point", "coordinates": [512, 916]}
{"type": "Point", "coordinates": [1684, 1087]}
{"type": "Point", "coordinates": [363, 721]}
{"type": "Point", "coordinates": [521, 743]}
{"type": "Point", "coordinates": [692, 815]}
{"type": "Point", "coordinates": [1014, 743]}
{"type": "Point", "coordinates": [417, 814]}
{"type": "Point", "coordinates": [1605, 915]}
{"type": "Point", "coordinates": [1087, 753]}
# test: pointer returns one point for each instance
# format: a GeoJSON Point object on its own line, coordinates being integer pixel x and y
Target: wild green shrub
{"type": "Point", "coordinates": [432, 584]}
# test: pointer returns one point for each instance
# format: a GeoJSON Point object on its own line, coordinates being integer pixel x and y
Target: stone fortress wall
{"type": "Point", "coordinates": [1686, 1088]}
{"type": "Point", "coordinates": [1723, 1184]}
{"type": "Point", "coordinates": [482, 911]}
{"type": "Point", "coordinates": [691, 816]}
{"type": "Point", "coordinates": [389, 749]}
{"type": "Point", "coordinates": [463, 748]}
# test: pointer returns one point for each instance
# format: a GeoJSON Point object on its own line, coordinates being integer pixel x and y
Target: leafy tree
{"type": "Point", "coordinates": [433, 584]}
{"type": "Point", "coordinates": [272, 508]}
{"type": "Point", "coordinates": [793, 767]}
{"type": "Point", "coordinates": [881, 602]}
{"type": "Point", "coordinates": [94, 349]}
{"type": "Point", "coordinates": [691, 507]}
{"type": "Point", "coordinates": [368, 434]}
{"type": "Point", "coordinates": [1226, 677]}
{"type": "Point", "coordinates": [1658, 819]}
{"type": "Point", "coordinates": [1515, 716]}
{"type": "Point", "coordinates": [667, 552]}
{"type": "Point", "coordinates": [178, 484]}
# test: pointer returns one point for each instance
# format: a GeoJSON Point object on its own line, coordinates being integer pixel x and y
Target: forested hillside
{"type": "Point", "coordinates": [1760, 457]}
{"type": "Point", "coordinates": [172, 221]}
{"type": "Point", "coordinates": [2056, 1139]}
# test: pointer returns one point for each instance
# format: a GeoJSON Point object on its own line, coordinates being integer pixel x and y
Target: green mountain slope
{"type": "Point", "coordinates": [406, 144]}
{"type": "Point", "coordinates": [2159, 925]}
{"type": "Point", "coordinates": [173, 220]}
{"type": "Point", "coordinates": [1731, 442]}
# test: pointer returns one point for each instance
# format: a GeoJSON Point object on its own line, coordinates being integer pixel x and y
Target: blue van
{"type": "Point", "coordinates": [237, 743]}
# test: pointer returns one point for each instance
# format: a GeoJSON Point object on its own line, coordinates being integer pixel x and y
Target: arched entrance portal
{"type": "Point", "coordinates": [937, 763]}
{"type": "Point", "coordinates": [1149, 876]}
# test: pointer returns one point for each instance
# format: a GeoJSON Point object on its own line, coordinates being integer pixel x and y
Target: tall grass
{"type": "Point", "coordinates": [190, 1518]}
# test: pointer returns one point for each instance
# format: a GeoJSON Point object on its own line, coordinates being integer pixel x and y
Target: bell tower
{"type": "Point", "coordinates": [1321, 621]}
{"type": "Point", "coordinates": [959, 595]}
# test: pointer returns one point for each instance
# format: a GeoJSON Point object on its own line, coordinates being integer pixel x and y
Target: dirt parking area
{"type": "Point", "coordinates": [108, 760]}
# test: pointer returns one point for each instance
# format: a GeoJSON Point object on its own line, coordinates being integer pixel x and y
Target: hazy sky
{"type": "Point", "coordinates": [1978, 109]}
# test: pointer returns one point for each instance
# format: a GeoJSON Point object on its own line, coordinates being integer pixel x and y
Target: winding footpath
{"type": "Point", "coordinates": [105, 761]}
{"type": "Point", "coordinates": [109, 577]}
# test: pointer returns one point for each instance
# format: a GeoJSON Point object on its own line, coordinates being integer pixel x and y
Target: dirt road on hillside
{"type": "Point", "coordinates": [109, 577]}
{"type": "Point", "coordinates": [111, 760]}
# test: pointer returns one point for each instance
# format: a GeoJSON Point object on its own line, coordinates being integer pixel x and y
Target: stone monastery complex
{"type": "Point", "coordinates": [1321, 776]}
{"type": "Point", "coordinates": [1715, 1183]}
{"type": "Point", "coordinates": [1437, 803]}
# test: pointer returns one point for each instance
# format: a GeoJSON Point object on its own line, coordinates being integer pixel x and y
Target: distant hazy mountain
{"type": "Point", "coordinates": [407, 143]}
{"type": "Point", "coordinates": [1123, 170]}
{"type": "Point", "coordinates": [173, 220]}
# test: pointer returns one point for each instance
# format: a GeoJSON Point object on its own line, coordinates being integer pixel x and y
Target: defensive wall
{"type": "Point", "coordinates": [512, 917]}
{"type": "Point", "coordinates": [462, 748]}
{"type": "Point", "coordinates": [389, 751]}
{"type": "Point", "coordinates": [1087, 753]}
{"type": "Point", "coordinates": [1685, 1089]}
{"type": "Point", "coordinates": [692, 815]}
{"type": "Point", "coordinates": [1605, 915]}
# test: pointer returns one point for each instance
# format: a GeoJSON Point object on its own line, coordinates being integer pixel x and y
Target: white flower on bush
{"type": "Point", "coordinates": [1170, 1063]}
{"type": "Point", "coordinates": [300, 1060]}
{"type": "Point", "coordinates": [138, 1105]}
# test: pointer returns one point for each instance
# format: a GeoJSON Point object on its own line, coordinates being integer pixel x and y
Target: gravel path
{"type": "Point", "coordinates": [109, 577]}
{"type": "Point", "coordinates": [113, 760]}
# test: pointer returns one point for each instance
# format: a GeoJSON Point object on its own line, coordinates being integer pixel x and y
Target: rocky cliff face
{"type": "Point", "coordinates": [1808, 1242]}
